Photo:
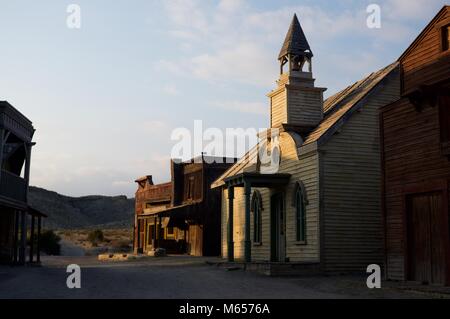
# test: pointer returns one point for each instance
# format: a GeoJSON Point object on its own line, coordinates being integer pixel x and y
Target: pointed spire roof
{"type": "Point", "coordinates": [295, 42]}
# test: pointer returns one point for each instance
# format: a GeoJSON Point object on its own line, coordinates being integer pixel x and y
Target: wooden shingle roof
{"type": "Point", "coordinates": [295, 42]}
{"type": "Point", "coordinates": [336, 111]}
{"type": "Point", "coordinates": [338, 105]}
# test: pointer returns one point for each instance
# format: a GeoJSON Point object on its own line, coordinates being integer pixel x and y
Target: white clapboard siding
{"type": "Point", "coordinates": [351, 189]}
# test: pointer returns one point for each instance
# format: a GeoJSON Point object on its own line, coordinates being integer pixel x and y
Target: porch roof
{"type": "Point", "coordinates": [257, 179]}
{"type": "Point", "coordinates": [36, 213]}
{"type": "Point", "coordinates": [184, 210]}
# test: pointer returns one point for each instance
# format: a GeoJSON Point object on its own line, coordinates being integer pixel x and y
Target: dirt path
{"type": "Point", "coordinates": [70, 249]}
{"type": "Point", "coordinates": [174, 277]}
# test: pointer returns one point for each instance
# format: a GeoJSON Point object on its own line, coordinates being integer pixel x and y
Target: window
{"type": "Point", "coordinates": [190, 188]}
{"type": "Point", "coordinates": [445, 37]}
{"type": "Point", "coordinates": [170, 233]}
{"type": "Point", "coordinates": [257, 218]}
{"type": "Point", "coordinates": [300, 203]}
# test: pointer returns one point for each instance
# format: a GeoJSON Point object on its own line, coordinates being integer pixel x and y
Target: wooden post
{"type": "Point", "coordinates": [38, 243]}
{"type": "Point", "coordinates": [248, 243]}
{"type": "Point", "coordinates": [2, 146]}
{"type": "Point", "coordinates": [23, 237]}
{"type": "Point", "coordinates": [144, 244]}
{"type": "Point", "coordinates": [159, 231]}
{"type": "Point", "coordinates": [230, 224]}
{"type": "Point", "coordinates": [32, 239]}
{"type": "Point", "coordinates": [135, 249]}
{"type": "Point", "coordinates": [138, 235]}
{"type": "Point", "coordinates": [155, 228]}
{"type": "Point", "coordinates": [16, 234]}
{"type": "Point", "coordinates": [27, 168]}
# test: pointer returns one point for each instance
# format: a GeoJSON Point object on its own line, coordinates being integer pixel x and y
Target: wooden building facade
{"type": "Point", "coordinates": [16, 217]}
{"type": "Point", "coordinates": [321, 209]}
{"type": "Point", "coordinates": [416, 161]}
{"type": "Point", "coordinates": [182, 216]}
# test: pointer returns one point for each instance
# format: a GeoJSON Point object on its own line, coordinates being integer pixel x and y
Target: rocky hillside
{"type": "Point", "coordinates": [82, 212]}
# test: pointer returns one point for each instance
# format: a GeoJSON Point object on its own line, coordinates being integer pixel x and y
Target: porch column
{"type": "Point", "coordinates": [38, 242]}
{"type": "Point", "coordinates": [23, 237]}
{"type": "Point", "coordinates": [248, 243]}
{"type": "Point", "coordinates": [2, 144]}
{"type": "Point", "coordinates": [27, 168]}
{"type": "Point", "coordinates": [16, 235]}
{"type": "Point", "coordinates": [155, 228]}
{"type": "Point", "coordinates": [32, 239]}
{"type": "Point", "coordinates": [230, 224]}
{"type": "Point", "coordinates": [159, 231]}
{"type": "Point", "coordinates": [138, 241]}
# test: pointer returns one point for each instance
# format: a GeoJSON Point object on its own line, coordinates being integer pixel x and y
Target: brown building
{"type": "Point", "coordinates": [182, 216]}
{"type": "Point", "coordinates": [16, 134]}
{"type": "Point", "coordinates": [416, 161]}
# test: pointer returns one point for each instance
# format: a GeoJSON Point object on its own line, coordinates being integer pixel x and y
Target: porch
{"type": "Point", "coordinates": [247, 180]}
{"type": "Point", "coordinates": [21, 235]}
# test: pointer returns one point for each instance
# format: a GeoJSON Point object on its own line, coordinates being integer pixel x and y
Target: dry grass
{"type": "Point", "coordinates": [114, 239]}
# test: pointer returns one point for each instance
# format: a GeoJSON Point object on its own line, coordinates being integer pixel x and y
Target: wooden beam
{"type": "Point", "coordinates": [38, 243]}
{"type": "Point", "coordinates": [32, 239]}
{"type": "Point", "coordinates": [2, 146]}
{"type": "Point", "coordinates": [27, 168]}
{"type": "Point", "coordinates": [159, 231]}
{"type": "Point", "coordinates": [23, 237]}
{"type": "Point", "coordinates": [230, 223]}
{"type": "Point", "coordinates": [248, 244]}
{"type": "Point", "coordinates": [154, 233]}
{"type": "Point", "coordinates": [16, 234]}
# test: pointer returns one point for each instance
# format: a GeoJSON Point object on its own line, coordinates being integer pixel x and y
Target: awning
{"type": "Point", "coordinates": [34, 212]}
{"type": "Point", "coordinates": [178, 215]}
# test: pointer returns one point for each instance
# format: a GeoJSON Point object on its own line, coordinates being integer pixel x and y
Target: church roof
{"type": "Point", "coordinates": [295, 42]}
{"type": "Point", "coordinates": [337, 110]}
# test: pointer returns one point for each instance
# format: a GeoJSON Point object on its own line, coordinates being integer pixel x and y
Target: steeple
{"type": "Point", "coordinates": [296, 49]}
{"type": "Point", "coordinates": [296, 104]}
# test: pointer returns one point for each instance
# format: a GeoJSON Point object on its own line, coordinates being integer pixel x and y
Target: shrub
{"type": "Point", "coordinates": [95, 237]}
{"type": "Point", "coordinates": [50, 243]}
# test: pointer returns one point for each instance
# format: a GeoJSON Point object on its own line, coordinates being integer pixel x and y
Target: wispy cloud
{"type": "Point", "coordinates": [171, 89]}
{"type": "Point", "coordinates": [244, 107]}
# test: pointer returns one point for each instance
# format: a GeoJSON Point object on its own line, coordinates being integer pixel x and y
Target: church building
{"type": "Point", "coordinates": [320, 210]}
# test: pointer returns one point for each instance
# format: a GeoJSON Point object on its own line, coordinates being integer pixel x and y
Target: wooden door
{"type": "Point", "coordinates": [427, 239]}
{"type": "Point", "coordinates": [278, 227]}
{"type": "Point", "coordinates": [195, 240]}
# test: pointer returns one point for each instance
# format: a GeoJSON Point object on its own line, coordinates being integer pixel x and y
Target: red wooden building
{"type": "Point", "coordinates": [416, 161]}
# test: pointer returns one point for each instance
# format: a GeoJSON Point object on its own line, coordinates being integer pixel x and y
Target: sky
{"type": "Point", "coordinates": [105, 98]}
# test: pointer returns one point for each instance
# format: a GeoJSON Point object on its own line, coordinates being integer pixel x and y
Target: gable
{"type": "Point", "coordinates": [427, 46]}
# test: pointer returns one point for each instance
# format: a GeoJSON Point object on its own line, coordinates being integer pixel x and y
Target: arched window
{"type": "Point", "coordinates": [300, 202]}
{"type": "Point", "coordinates": [257, 219]}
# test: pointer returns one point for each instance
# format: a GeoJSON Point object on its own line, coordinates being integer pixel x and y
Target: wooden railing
{"type": "Point", "coordinates": [12, 186]}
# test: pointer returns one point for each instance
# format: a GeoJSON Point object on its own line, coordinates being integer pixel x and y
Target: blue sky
{"type": "Point", "coordinates": [105, 98]}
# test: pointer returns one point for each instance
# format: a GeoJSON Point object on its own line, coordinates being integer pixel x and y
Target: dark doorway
{"type": "Point", "coordinates": [277, 229]}
{"type": "Point", "coordinates": [427, 238]}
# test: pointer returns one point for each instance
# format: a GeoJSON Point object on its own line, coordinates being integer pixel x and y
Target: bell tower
{"type": "Point", "coordinates": [296, 103]}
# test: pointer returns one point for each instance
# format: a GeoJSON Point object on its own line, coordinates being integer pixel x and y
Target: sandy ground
{"type": "Point", "coordinates": [174, 277]}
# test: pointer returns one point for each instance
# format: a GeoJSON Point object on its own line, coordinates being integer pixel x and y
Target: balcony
{"type": "Point", "coordinates": [12, 187]}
